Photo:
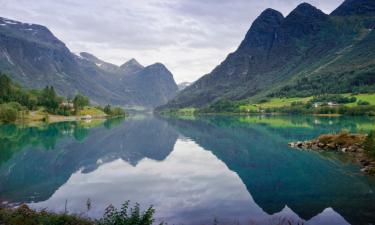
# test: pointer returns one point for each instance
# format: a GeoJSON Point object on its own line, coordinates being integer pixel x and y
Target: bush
{"type": "Point", "coordinates": [126, 216]}
{"type": "Point", "coordinates": [8, 112]}
{"type": "Point", "coordinates": [23, 215]}
{"type": "Point", "coordinates": [360, 102]}
{"type": "Point", "coordinates": [26, 216]}
{"type": "Point", "coordinates": [221, 106]}
{"type": "Point", "coordinates": [117, 111]}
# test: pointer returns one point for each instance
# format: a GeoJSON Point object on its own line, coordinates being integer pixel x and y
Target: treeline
{"type": "Point", "coordinates": [16, 102]}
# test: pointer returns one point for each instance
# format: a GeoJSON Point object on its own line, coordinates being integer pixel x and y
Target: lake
{"type": "Point", "coordinates": [193, 170]}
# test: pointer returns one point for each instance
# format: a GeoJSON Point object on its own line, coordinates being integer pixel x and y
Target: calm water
{"type": "Point", "coordinates": [235, 170]}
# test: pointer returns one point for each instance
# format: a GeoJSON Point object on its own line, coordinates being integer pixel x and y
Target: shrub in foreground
{"type": "Point", "coordinates": [23, 215]}
{"type": "Point", "coordinates": [127, 216]}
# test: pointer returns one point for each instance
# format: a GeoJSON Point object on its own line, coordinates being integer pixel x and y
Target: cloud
{"type": "Point", "coordinates": [190, 37]}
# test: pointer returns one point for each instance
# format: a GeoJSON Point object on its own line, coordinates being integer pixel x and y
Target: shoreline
{"type": "Point", "coordinates": [349, 144]}
{"type": "Point", "coordinates": [31, 121]}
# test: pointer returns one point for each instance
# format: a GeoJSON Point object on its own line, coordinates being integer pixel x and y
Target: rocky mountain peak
{"type": "Point", "coordinates": [131, 63]}
{"type": "Point", "coordinates": [305, 19]}
{"type": "Point", "coordinates": [31, 32]}
{"type": "Point", "coordinates": [262, 30]}
{"type": "Point", "coordinates": [355, 7]}
{"type": "Point", "coordinates": [130, 67]}
{"type": "Point", "coordinates": [306, 12]}
{"type": "Point", "coordinates": [158, 69]}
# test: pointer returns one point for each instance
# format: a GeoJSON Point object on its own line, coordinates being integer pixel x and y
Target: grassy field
{"type": "Point", "coordinates": [274, 103]}
{"type": "Point", "coordinates": [92, 111]}
{"type": "Point", "coordinates": [282, 102]}
{"type": "Point", "coordinates": [364, 97]}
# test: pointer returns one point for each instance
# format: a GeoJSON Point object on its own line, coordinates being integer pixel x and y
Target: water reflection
{"type": "Point", "coordinates": [193, 170]}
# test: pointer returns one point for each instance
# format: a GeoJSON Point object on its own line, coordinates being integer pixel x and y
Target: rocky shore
{"type": "Point", "coordinates": [350, 144]}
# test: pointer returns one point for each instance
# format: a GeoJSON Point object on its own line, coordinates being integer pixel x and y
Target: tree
{"type": "Point", "coordinates": [49, 99]}
{"type": "Point", "coordinates": [79, 102]}
{"type": "Point", "coordinates": [5, 88]}
{"type": "Point", "coordinates": [108, 110]}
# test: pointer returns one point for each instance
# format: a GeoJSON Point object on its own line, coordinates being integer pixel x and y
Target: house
{"type": "Point", "coordinates": [332, 104]}
{"type": "Point", "coordinates": [86, 117]}
{"type": "Point", "coordinates": [67, 105]}
{"type": "Point", "coordinates": [317, 104]}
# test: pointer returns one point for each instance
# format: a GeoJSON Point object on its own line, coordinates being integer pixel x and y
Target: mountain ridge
{"type": "Point", "coordinates": [35, 58]}
{"type": "Point", "coordinates": [279, 55]}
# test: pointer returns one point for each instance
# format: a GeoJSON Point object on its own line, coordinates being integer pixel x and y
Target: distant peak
{"type": "Point", "coordinates": [271, 12]}
{"type": "Point", "coordinates": [132, 63]}
{"type": "Point", "coordinates": [306, 8]}
{"type": "Point", "coordinates": [157, 65]}
{"type": "Point", "coordinates": [305, 13]}
{"type": "Point", "coordinates": [262, 30]}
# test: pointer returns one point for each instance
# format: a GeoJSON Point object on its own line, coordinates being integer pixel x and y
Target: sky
{"type": "Point", "coordinates": [190, 37]}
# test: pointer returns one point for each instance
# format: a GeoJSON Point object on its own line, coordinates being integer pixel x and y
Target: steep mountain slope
{"type": "Point", "coordinates": [280, 55]}
{"type": "Point", "coordinates": [34, 57]}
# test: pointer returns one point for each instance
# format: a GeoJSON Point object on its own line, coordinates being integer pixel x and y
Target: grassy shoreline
{"type": "Point", "coordinates": [37, 117]}
{"type": "Point", "coordinates": [324, 105]}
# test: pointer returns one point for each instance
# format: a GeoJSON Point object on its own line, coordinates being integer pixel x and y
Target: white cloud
{"type": "Point", "coordinates": [190, 37]}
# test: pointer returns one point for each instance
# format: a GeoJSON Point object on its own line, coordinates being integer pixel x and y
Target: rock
{"type": "Point", "coordinates": [331, 146]}
{"type": "Point", "coordinates": [299, 144]}
{"type": "Point", "coordinates": [365, 169]}
{"type": "Point", "coordinates": [343, 150]}
{"type": "Point", "coordinates": [366, 163]}
{"type": "Point", "coordinates": [321, 145]}
{"type": "Point", "coordinates": [352, 149]}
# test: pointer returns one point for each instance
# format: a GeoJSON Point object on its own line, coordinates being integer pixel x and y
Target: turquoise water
{"type": "Point", "coordinates": [232, 170]}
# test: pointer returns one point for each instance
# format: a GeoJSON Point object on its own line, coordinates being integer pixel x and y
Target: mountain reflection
{"type": "Point", "coordinates": [46, 157]}
{"type": "Point", "coordinates": [193, 170]}
{"type": "Point", "coordinates": [277, 176]}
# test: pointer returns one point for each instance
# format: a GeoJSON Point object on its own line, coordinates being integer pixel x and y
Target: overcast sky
{"type": "Point", "coordinates": [190, 37]}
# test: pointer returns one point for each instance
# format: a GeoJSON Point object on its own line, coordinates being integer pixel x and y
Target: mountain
{"type": "Point", "coordinates": [130, 67]}
{"type": "Point", "coordinates": [355, 7]}
{"type": "Point", "coordinates": [155, 77]}
{"type": "Point", "coordinates": [305, 53]}
{"type": "Point", "coordinates": [108, 67]}
{"type": "Point", "coordinates": [183, 85]}
{"type": "Point", "coordinates": [35, 58]}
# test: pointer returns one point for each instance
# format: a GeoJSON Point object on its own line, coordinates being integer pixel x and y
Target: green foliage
{"type": "Point", "coordinates": [116, 111]}
{"type": "Point", "coordinates": [127, 216]}
{"type": "Point", "coordinates": [360, 102]}
{"type": "Point", "coordinates": [333, 98]}
{"type": "Point", "coordinates": [79, 102]}
{"type": "Point", "coordinates": [9, 111]}
{"type": "Point", "coordinates": [221, 106]}
{"type": "Point", "coordinates": [369, 143]}
{"type": "Point", "coordinates": [23, 215]}
{"type": "Point", "coordinates": [49, 99]}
